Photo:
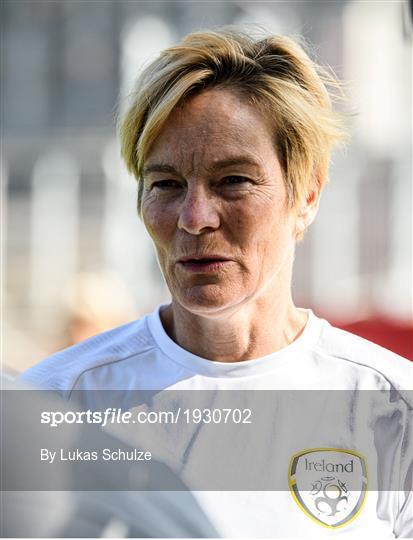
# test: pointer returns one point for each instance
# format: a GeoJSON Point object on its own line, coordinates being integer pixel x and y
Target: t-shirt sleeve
{"type": "Point", "coordinates": [56, 372]}
{"type": "Point", "coordinates": [404, 519]}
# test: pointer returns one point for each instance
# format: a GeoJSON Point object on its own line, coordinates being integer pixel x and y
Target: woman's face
{"type": "Point", "coordinates": [215, 204]}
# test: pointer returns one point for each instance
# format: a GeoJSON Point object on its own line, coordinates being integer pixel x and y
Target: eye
{"type": "Point", "coordinates": [166, 184]}
{"type": "Point", "coordinates": [236, 179]}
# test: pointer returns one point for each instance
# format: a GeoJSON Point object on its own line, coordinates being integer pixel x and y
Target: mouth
{"type": "Point", "coordinates": [203, 264]}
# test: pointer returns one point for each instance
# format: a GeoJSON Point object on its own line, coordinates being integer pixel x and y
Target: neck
{"type": "Point", "coordinates": [253, 330]}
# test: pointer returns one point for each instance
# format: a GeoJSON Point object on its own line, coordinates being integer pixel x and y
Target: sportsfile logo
{"type": "Point", "coordinates": [329, 484]}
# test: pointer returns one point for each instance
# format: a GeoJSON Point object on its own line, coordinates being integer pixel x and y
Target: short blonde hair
{"type": "Point", "coordinates": [274, 73]}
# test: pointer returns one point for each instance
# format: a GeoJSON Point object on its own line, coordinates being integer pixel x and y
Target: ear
{"type": "Point", "coordinates": [308, 208]}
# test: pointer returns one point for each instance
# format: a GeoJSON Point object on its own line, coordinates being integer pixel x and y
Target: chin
{"type": "Point", "coordinates": [206, 300]}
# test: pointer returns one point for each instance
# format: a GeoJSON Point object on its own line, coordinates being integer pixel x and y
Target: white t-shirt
{"type": "Point", "coordinates": [141, 356]}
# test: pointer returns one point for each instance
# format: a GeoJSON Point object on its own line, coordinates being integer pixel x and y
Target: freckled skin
{"type": "Point", "coordinates": [209, 210]}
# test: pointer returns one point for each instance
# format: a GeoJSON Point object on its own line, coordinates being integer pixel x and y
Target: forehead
{"type": "Point", "coordinates": [211, 127]}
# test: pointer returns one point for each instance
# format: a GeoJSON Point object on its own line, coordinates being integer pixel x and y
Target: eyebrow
{"type": "Point", "coordinates": [222, 164]}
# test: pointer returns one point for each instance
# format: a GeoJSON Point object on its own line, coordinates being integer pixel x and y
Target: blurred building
{"type": "Point", "coordinates": [69, 206]}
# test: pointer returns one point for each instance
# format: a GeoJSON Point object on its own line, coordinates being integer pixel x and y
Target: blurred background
{"type": "Point", "coordinates": [76, 259]}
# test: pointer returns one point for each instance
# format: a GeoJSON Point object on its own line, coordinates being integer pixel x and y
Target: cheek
{"type": "Point", "coordinates": [263, 222]}
{"type": "Point", "coordinates": [159, 222]}
{"type": "Point", "coordinates": [270, 235]}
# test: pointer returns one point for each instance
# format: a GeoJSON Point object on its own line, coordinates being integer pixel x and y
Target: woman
{"type": "Point", "coordinates": [229, 138]}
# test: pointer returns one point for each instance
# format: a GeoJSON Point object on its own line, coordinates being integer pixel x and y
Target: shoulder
{"type": "Point", "coordinates": [63, 369]}
{"type": "Point", "coordinates": [365, 357]}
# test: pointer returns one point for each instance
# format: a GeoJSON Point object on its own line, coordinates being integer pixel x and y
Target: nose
{"type": "Point", "coordinates": [199, 212]}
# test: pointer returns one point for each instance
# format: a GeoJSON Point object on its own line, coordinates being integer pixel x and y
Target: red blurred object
{"type": "Point", "coordinates": [392, 335]}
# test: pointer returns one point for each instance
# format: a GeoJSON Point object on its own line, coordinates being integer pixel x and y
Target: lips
{"type": "Point", "coordinates": [206, 259]}
{"type": "Point", "coordinates": [204, 263]}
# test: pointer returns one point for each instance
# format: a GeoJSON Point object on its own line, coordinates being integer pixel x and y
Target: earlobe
{"type": "Point", "coordinates": [309, 206]}
{"type": "Point", "coordinates": [306, 213]}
